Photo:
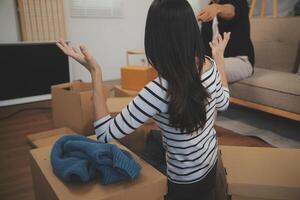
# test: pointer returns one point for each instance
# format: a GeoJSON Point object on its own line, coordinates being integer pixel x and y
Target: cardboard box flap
{"type": "Point", "coordinates": [270, 173]}
{"type": "Point", "coordinates": [37, 139]}
{"type": "Point", "coordinates": [63, 85]}
{"type": "Point", "coordinates": [79, 86]}
{"type": "Point", "coordinates": [120, 92]}
{"type": "Point", "coordinates": [116, 104]}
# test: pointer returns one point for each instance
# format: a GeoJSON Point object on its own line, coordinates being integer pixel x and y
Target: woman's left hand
{"type": "Point", "coordinates": [82, 56]}
{"type": "Point", "coordinates": [218, 45]}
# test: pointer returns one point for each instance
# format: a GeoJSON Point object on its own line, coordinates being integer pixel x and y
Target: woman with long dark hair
{"type": "Point", "coordinates": [183, 100]}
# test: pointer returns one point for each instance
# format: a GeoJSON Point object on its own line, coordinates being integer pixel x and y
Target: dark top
{"type": "Point", "coordinates": [240, 43]}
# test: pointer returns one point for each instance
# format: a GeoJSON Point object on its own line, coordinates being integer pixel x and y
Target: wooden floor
{"type": "Point", "coordinates": [15, 176]}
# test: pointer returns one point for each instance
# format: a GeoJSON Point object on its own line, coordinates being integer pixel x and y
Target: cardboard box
{"type": "Point", "coordinates": [121, 92]}
{"type": "Point", "coordinates": [116, 104]}
{"type": "Point", "coordinates": [136, 77]}
{"type": "Point", "coordinates": [262, 173]}
{"type": "Point", "coordinates": [149, 185]}
{"type": "Point", "coordinates": [41, 139]}
{"type": "Point", "coordinates": [72, 106]}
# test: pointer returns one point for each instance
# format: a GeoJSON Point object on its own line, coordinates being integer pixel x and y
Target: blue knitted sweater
{"type": "Point", "coordinates": [77, 158]}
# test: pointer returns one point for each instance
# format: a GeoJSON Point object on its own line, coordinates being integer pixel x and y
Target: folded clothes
{"type": "Point", "coordinates": [77, 158]}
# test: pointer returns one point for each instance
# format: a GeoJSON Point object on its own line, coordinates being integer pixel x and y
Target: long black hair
{"type": "Point", "coordinates": [172, 42]}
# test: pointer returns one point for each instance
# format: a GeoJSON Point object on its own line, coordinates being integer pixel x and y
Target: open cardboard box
{"type": "Point", "coordinates": [258, 173]}
{"type": "Point", "coordinates": [72, 106]}
{"type": "Point", "coordinates": [149, 185]}
{"type": "Point", "coordinates": [134, 141]}
{"type": "Point", "coordinates": [46, 183]}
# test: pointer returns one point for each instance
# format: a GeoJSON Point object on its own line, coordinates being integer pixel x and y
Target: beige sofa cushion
{"type": "Point", "coordinates": [275, 42]}
{"type": "Point", "coordinates": [272, 88]}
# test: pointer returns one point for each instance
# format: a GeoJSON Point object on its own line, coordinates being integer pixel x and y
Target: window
{"type": "Point", "coordinates": [97, 8]}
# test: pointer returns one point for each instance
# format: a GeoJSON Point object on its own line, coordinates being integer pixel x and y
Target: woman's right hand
{"type": "Point", "coordinates": [82, 56]}
{"type": "Point", "coordinates": [218, 45]}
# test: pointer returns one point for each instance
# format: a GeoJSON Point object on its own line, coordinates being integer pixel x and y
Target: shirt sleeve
{"type": "Point", "coordinates": [238, 7]}
{"type": "Point", "coordinates": [150, 101]}
{"type": "Point", "coordinates": [222, 94]}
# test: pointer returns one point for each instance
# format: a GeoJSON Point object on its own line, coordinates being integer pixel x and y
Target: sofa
{"type": "Point", "coordinates": [275, 84]}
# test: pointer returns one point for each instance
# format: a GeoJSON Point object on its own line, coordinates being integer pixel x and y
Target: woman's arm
{"type": "Point", "coordinates": [219, 59]}
{"type": "Point", "coordinates": [225, 11]}
{"type": "Point", "coordinates": [150, 101]}
{"type": "Point", "coordinates": [218, 46]}
{"type": "Point", "coordinates": [99, 98]}
{"type": "Point", "coordinates": [88, 61]}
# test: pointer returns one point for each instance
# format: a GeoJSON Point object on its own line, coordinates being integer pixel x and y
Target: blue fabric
{"type": "Point", "coordinates": [77, 158]}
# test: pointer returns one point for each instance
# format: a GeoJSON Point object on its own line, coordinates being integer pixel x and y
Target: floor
{"type": "Point", "coordinates": [15, 175]}
{"type": "Point", "coordinates": [278, 131]}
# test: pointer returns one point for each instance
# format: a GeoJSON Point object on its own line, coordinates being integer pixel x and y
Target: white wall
{"type": "Point", "coordinates": [9, 31]}
{"type": "Point", "coordinates": [108, 39]}
{"type": "Point", "coordinates": [198, 4]}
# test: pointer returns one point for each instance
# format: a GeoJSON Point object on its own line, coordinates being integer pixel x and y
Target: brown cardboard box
{"type": "Point", "coordinates": [116, 104]}
{"type": "Point", "coordinates": [262, 173]}
{"type": "Point", "coordinates": [149, 185]}
{"type": "Point", "coordinates": [73, 107]}
{"type": "Point", "coordinates": [121, 92]}
{"type": "Point", "coordinates": [136, 77]}
{"type": "Point", "coordinates": [41, 139]}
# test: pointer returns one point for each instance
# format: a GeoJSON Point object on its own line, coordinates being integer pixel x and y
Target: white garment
{"type": "Point", "coordinates": [215, 29]}
{"type": "Point", "coordinates": [237, 68]}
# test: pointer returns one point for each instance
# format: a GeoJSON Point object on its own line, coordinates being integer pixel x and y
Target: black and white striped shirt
{"type": "Point", "coordinates": [190, 157]}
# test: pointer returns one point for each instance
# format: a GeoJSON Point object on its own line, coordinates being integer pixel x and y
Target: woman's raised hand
{"type": "Point", "coordinates": [81, 55]}
{"type": "Point", "coordinates": [219, 44]}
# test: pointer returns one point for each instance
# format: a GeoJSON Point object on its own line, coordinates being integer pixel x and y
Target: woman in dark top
{"type": "Point", "coordinates": [230, 16]}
